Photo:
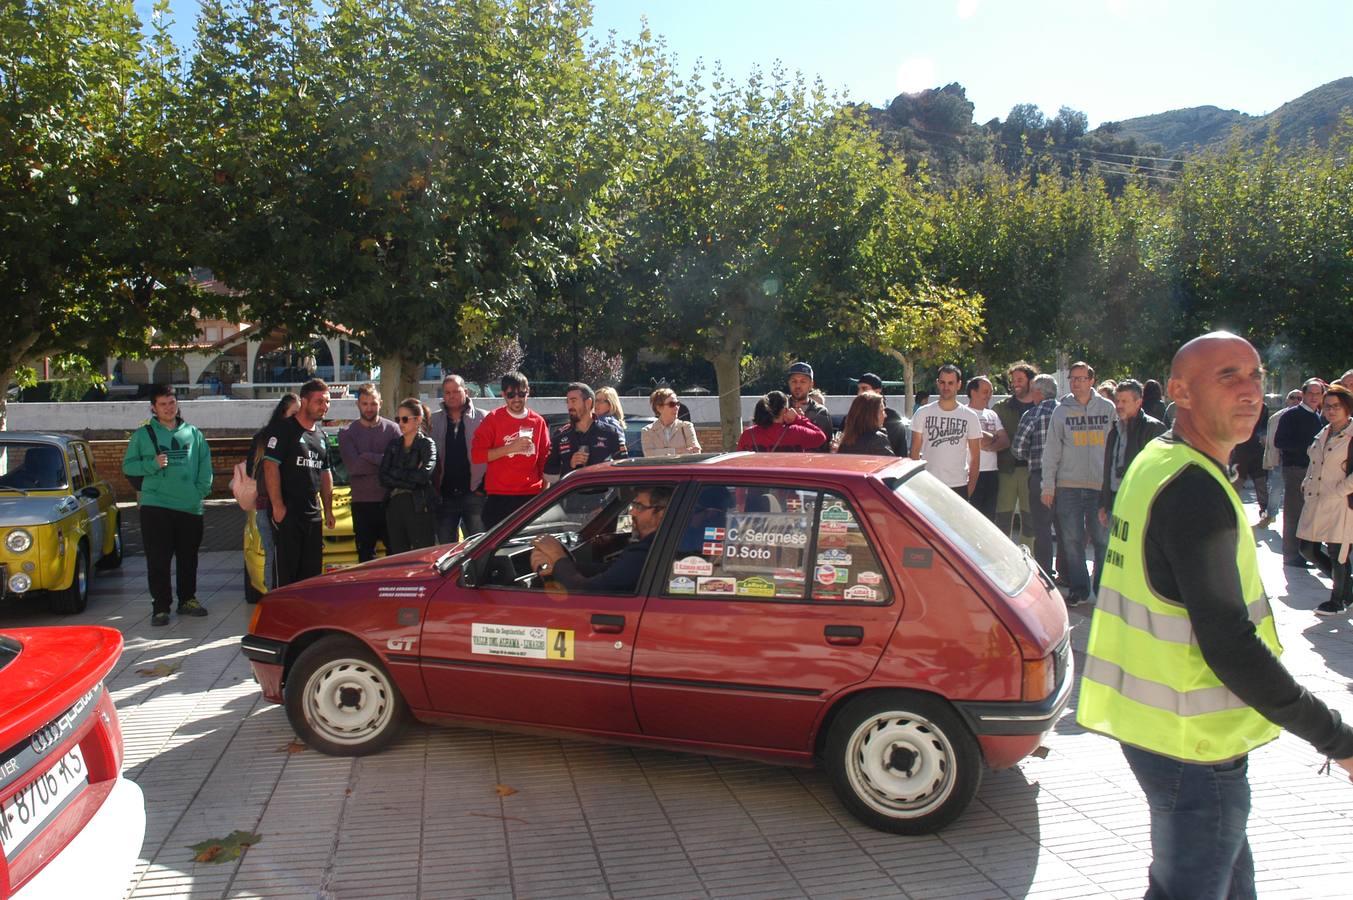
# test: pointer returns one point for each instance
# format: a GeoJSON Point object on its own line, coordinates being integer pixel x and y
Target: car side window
{"type": "Point", "coordinates": [754, 542]}
{"type": "Point", "coordinates": [77, 475]}
{"type": "Point", "coordinates": [594, 524]}
{"type": "Point", "coordinates": [845, 567]}
{"type": "Point", "coordinates": [86, 467]}
{"type": "Point", "coordinates": [744, 541]}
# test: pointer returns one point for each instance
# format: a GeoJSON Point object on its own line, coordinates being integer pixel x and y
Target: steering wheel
{"type": "Point", "coordinates": [530, 578]}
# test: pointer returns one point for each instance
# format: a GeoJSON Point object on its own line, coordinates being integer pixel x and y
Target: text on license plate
{"type": "Point", "coordinates": [24, 814]}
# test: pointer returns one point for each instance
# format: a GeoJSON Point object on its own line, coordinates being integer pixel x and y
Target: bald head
{"type": "Point", "coordinates": [1216, 382]}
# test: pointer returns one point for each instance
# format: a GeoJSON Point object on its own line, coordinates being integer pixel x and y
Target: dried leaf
{"type": "Point", "coordinates": [160, 670]}
{"type": "Point", "coordinates": [504, 791]}
{"type": "Point", "coordinates": [219, 850]}
{"type": "Point", "coordinates": [293, 747]}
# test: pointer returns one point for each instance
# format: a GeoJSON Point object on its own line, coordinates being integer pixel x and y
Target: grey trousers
{"type": "Point", "coordinates": [1292, 504]}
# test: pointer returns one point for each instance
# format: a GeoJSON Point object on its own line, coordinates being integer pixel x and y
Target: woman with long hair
{"type": "Point", "coordinates": [669, 435]}
{"type": "Point", "coordinates": [778, 427]}
{"type": "Point", "coordinates": [1325, 529]}
{"type": "Point", "coordinates": [1152, 404]}
{"type": "Point", "coordinates": [286, 407]}
{"type": "Point", "coordinates": [863, 431]}
{"type": "Point", "coordinates": [406, 475]}
{"type": "Point", "coordinates": [607, 403]}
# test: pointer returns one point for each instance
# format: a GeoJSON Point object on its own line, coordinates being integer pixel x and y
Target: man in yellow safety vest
{"type": "Point", "coordinates": [1182, 664]}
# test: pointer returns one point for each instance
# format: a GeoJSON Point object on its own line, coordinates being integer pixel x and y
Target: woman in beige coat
{"type": "Point", "coordinates": [669, 435]}
{"type": "Point", "coordinates": [1326, 518]}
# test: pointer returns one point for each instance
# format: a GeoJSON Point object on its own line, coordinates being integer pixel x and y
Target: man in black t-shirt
{"type": "Point", "coordinates": [296, 472]}
{"type": "Point", "coordinates": [586, 440]}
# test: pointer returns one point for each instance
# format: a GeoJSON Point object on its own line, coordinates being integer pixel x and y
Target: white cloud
{"type": "Point", "coordinates": [1116, 7]}
{"type": "Point", "coordinates": [966, 9]}
{"type": "Point", "coordinates": [915, 74]}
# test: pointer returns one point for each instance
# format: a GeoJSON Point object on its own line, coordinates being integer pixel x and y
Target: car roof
{"type": "Point", "coordinates": [745, 462]}
{"type": "Point", "coordinates": [37, 437]}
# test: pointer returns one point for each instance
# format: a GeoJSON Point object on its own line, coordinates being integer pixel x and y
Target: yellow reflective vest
{"type": "Point", "coordinates": [1145, 681]}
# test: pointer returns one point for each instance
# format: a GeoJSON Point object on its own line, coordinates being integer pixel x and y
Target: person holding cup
{"type": "Point", "coordinates": [669, 435]}
{"type": "Point", "coordinates": [514, 443]}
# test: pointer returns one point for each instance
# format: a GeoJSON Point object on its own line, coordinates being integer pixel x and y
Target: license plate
{"type": "Point", "coordinates": [24, 814]}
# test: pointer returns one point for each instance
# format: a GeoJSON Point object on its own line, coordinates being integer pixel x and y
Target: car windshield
{"type": "Point", "coordinates": [969, 530]}
{"type": "Point", "coordinates": [31, 467]}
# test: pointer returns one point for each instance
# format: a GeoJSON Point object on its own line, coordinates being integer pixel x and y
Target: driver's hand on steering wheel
{"type": "Point", "coordinates": [545, 552]}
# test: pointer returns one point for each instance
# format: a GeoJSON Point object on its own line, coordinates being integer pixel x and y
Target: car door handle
{"type": "Point", "coordinates": [844, 635]}
{"type": "Point", "coordinates": [607, 624]}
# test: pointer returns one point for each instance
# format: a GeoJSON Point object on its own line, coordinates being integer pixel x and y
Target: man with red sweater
{"type": "Point", "coordinates": [514, 442]}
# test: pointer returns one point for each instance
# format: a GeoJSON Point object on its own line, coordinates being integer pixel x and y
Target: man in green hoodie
{"type": "Point", "coordinates": [174, 464]}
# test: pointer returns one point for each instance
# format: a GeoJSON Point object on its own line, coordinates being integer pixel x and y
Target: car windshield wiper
{"type": "Point", "coordinates": [448, 560]}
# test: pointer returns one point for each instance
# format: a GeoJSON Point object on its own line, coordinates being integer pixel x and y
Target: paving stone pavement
{"type": "Point", "coordinates": [425, 818]}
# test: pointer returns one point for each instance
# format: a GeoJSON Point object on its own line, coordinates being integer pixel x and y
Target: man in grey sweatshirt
{"type": "Point", "coordinates": [1073, 473]}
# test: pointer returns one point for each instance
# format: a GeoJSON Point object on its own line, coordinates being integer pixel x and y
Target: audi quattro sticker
{"type": "Point", "coordinates": [521, 641]}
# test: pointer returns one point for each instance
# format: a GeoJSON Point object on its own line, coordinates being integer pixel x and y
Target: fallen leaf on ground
{"type": "Point", "coordinates": [504, 791]}
{"type": "Point", "coordinates": [293, 747]}
{"type": "Point", "coordinates": [219, 850]}
{"type": "Point", "coordinates": [160, 670]}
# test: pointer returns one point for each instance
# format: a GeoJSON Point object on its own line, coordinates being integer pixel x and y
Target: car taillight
{"type": "Point", "coordinates": [253, 617]}
{"type": "Point", "coordinates": [1040, 677]}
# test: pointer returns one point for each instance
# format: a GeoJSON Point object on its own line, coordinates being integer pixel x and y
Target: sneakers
{"type": "Point", "coordinates": [1297, 563]}
{"type": "Point", "coordinates": [191, 607]}
{"type": "Point", "coordinates": [1331, 608]}
{"type": "Point", "coordinates": [159, 619]}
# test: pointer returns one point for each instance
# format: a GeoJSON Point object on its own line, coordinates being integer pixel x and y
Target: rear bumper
{"type": "Point", "coordinates": [1015, 718]}
{"type": "Point", "coordinates": [98, 862]}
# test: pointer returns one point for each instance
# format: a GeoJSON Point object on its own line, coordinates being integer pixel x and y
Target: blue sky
{"type": "Point", "coordinates": [1111, 59]}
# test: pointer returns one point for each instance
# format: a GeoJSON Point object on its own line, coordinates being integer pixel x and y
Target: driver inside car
{"type": "Point", "coordinates": [550, 559]}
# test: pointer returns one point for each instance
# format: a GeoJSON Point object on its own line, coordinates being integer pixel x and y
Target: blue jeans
{"type": "Point", "coordinates": [1199, 813]}
{"type": "Point", "coordinates": [1078, 516]}
{"type": "Point", "coordinates": [462, 510]}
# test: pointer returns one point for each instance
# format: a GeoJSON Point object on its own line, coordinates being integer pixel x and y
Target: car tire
{"type": "Point", "coordinates": [341, 701]}
{"type": "Point", "coordinates": [74, 598]}
{"type": "Point", "coordinates": [903, 762]}
{"type": "Point", "coordinates": [113, 559]}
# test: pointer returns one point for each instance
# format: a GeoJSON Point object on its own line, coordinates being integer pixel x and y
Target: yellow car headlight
{"type": "Point", "coordinates": [18, 540]}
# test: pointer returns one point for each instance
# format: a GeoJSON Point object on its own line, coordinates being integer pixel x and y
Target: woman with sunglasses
{"type": "Point", "coordinates": [669, 435]}
{"type": "Point", "coordinates": [406, 475]}
{"type": "Point", "coordinates": [607, 406]}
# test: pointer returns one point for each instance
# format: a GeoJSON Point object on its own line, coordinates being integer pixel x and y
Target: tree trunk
{"type": "Point", "coordinates": [399, 379]}
{"type": "Point", "coordinates": [728, 377]}
{"type": "Point", "coordinates": [5, 378]}
{"type": "Point", "coordinates": [908, 378]}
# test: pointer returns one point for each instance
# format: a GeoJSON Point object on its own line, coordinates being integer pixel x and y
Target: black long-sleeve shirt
{"type": "Point", "coordinates": [1191, 559]}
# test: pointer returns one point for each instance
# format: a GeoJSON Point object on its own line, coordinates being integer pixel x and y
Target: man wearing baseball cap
{"type": "Point", "coordinates": [800, 376]}
{"type": "Point", "coordinates": [897, 427]}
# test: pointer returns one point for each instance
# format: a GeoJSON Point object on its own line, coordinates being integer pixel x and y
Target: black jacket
{"type": "Point", "coordinates": [898, 428]}
{"type": "Point", "coordinates": [1296, 429]}
{"type": "Point", "coordinates": [1140, 430]}
{"type": "Point", "coordinates": [410, 470]}
{"type": "Point", "coordinates": [875, 442]}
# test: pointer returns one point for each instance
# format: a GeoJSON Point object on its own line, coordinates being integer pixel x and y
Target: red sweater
{"type": "Point", "coordinates": [797, 438]}
{"type": "Point", "coordinates": [517, 475]}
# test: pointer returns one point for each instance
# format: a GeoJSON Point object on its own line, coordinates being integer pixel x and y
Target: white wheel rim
{"type": "Point", "coordinates": [901, 764]}
{"type": "Point", "coordinates": [348, 701]}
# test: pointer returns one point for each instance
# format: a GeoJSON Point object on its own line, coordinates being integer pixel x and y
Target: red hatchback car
{"type": "Point", "coordinates": [787, 608]}
{"type": "Point", "coordinates": [70, 825]}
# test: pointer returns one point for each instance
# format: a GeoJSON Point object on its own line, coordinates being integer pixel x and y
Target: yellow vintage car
{"type": "Point", "coordinates": [58, 519]}
{"type": "Point", "coordinates": [340, 545]}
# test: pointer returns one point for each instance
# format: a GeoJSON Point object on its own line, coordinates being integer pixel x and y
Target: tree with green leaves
{"type": "Point", "coordinates": [93, 241]}
{"type": "Point", "coordinates": [752, 221]}
{"type": "Point", "coordinates": [926, 324]}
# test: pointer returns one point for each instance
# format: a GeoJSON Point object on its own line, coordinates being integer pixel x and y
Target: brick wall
{"type": "Point", "coordinates": [710, 438]}
{"type": "Point", "coordinates": [225, 452]}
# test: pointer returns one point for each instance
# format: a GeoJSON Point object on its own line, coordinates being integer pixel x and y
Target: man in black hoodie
{"type": "Point", "coordinates": [1125, 440]}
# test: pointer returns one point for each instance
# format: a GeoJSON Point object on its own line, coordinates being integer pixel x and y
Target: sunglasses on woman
{"type": "Point", "coordinates": [403, 420]}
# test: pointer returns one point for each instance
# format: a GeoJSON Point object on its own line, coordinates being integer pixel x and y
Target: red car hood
{"type": "Point", "coordinates": [54, 668]}
{"type": "Point", "coordinates": [414, 564]}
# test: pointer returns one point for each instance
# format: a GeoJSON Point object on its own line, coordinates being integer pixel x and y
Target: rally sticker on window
{"type": "Point", "coordinates": [717, 586]}
{"type": "Point", "coordinates": [523, 641]}
{"type": "Point", "coordinates": [756, 586]}
{"type": "Point", "coordinates": [834, 557]}
{"type": "Point", "coordinates": [861, 592]}
{"type": "Point", "coordinates": [692, 565]}
{"type": "Point", "coordinates": [681, 585]}
{"type": "Point", "coordinates": [869, 578]}
{"type": "Point", "coordinates": [825, 574]}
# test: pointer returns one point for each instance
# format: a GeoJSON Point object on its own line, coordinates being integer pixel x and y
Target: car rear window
{"type": "Point", "coordinates": [970, 531]}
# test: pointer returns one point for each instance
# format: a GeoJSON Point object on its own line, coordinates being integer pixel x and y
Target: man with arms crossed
{"type": "Point", "coordinates": [1182, 664]}
{"type": "Point", "coordinates": [458, 481]}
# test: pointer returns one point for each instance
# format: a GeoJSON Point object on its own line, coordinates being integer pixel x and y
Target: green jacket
{"type": "Point", "coordinates": [183, 483]}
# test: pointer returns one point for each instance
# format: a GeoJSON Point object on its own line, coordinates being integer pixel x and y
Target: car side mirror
{"type": "Point", "coordinates": [91, 492]}
{"type": "Point", "coordinates": [469, 573]}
